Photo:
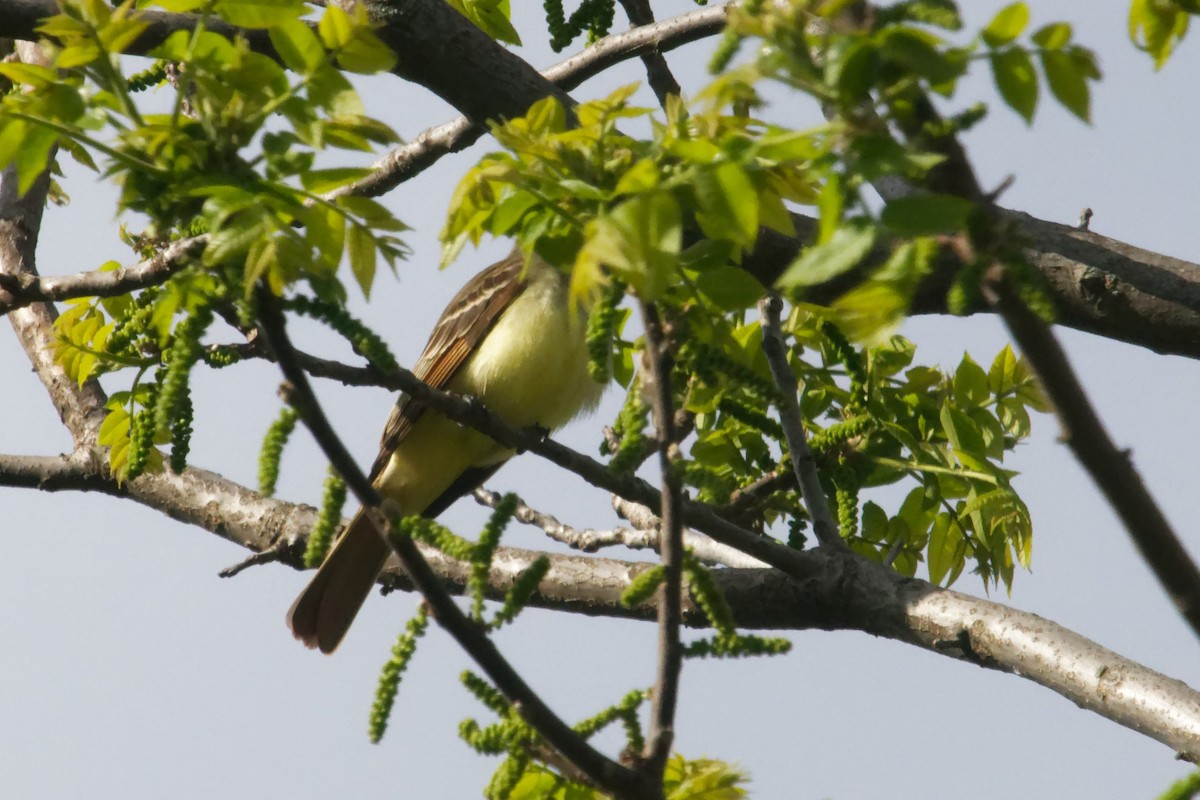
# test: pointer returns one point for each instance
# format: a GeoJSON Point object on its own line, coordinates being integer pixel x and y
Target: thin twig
{"type": "Point", "coordinates": [411, 159]}
{"type": "Point", "coordinates": [22, 289]}
{"type": "Point", "coordinates": [1109, 466]}
{"type": "Point", "coordinates": [656, 372]}
{"type": "Point", "coordinates": [700, 546]}
{"type": "Point", "coordinates": [657, 71]}
{"type": "Point", "coordinates": [604, 772]}
{"type": "Point", "coordinates": [803, 463]}
{"type": "Point", "coordinates": [268, 556]}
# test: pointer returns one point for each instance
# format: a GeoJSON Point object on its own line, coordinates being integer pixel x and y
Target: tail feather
{"type": "Point", "coordinates": [323, 612]}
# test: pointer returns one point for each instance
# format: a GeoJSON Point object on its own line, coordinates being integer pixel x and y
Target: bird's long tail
{"type": "Point", "coordinates": [323, 612]}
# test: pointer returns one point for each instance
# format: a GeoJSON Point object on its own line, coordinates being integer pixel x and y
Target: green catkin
{"type": "Point", "coordinates": [439, 536]}
{"type": "Point", "coordinates": [272, 450]}
{"type": "Point", "coordinates": [181, 432]}
{"type": "Point", "coordinates": [485, 693]}
{"type": "Point", "coordinates": [364, 341]}
{"type": "Point", "coordinates": [736, 646]}
{"type": "Point", "coordinates": [751, 417]}
{"type": "Point", "coordinates": [846, 485]}
{"type": "Point", "coordinates": [507, 776]}
{"type": "Point", "coordinates": [221, 355]}
{"type": "Point", "coordinates": [630, 428]}
{"type": "Point", "coordinates": [321, 535]}
{"type": "Point", "coordinates": [797, 539]}
{"type": "Point", "coordinates": [148, 78]}
{"type": "Point", "coordinates": [135, 322]}
{"type": "Point", "coordinates": [602, 330]}
{"type": "Point", "coordinates": [716, 368]}
{"type": "Point", "coordinates": [841, 432]}
{"type": "Point", "coordinates": [142, 429]}
{"type": "Point", "coordinates": [521, 591]}
{"type": "Point", "coordinates": [393, 671]}
{"type": "Point", "coordinates": [594, 16]}
{"type": "Point", "coordinates": [181, 356]}
{"type": "Point", "coordinates": [643, 585]}
{"type": "Point", "coordinates": [708, 597]}
{"type": "Point", "coordinates": [594, 724]}
{"type": "Point", "coordinates": [490, 741]}
{"type": "Point", "coordinates": [485, 548]}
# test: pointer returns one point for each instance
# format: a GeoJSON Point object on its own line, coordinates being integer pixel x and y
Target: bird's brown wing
{"type": "Point", "coordinates": [467, 319]}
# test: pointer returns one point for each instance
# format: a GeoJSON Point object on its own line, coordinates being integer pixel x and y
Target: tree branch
{"type": "Point", "coordinates": [1111, 468]}
{"type": "Point", "coordinates": [656, 372]}
{"type": "Point", "coordinates": [458, 134]}
{"type": "Point", "coordinates": [18, 290]}
{"type": "Point", "coordinates": [657, 71]}
{"type": "Point", "coordinates": [80, 407]}
{"type": "Point", "coordinates": [877, 601]}
{"type": "Point", "coordinates": [803, 463]}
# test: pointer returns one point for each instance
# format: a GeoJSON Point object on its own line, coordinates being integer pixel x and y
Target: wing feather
{"type": "Point", "coordinates": [466, 320]}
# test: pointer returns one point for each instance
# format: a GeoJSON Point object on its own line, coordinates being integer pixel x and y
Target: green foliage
{"type": "Point", "coordinates": [684, 779]}
{"type": "Point", "coordinates": [328, 518]}
{"type": "Point", "coordinates": [1183, 789]}
{"type": "Point", "coordinates": [1157, 26]}
{"type": "Point", "coordinates": [210, 164]}
{"type": "Point", "coordinates": [1067, 67]}
{"type": "Point", "coordinates": [393, 671]}
{"type": "Point", "coordinates": [493, 17]}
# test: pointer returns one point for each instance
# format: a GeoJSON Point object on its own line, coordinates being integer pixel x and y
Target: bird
{"type": "Point", "coordinates": [512, 339]}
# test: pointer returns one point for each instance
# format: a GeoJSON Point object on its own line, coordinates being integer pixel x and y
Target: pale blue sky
{"type": "Point", "coordinates": [130, 670]}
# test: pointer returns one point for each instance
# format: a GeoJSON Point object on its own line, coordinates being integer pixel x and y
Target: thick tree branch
{"type": "Point", "coordinates": [877, 601]}
{"type": "Point", "coordinates": [79, 407]}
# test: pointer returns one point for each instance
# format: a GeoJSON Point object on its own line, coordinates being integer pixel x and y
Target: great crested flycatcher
{"type": "Point", "coordinates": [510, 339]}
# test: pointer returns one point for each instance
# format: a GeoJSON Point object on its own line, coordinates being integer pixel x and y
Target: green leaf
{"type": "Point", "coordinates": [946, 549]}
{"type": "Point", "coordinates": [361, 246]}
{"type": "Point", "coordinates": [1068, 82]}
{"type": "Point", "coordinates": [728, 203]}
{"type": "Point", "coordinates": [639, 240]}
{"type": "Point", "coordinates": [493, 17]}
{"type": "Point", "coordinates": [970, 384]}
{"type": "Point", "coordinates": [1001, 375]}
{"type": "Point", "coordinates": [1007, 25]}
{"type": "Point", "coordinates": [1156, 27]}
{"type": "Point", "coordinates": [259, 13]}
{"type": "Point", "coordinates": [297, 45]}
{"type": "Point", "coordinates": [1013, 72]}
{"type": "Point", "coordinates": [844, 251]}
{"type": "Point", "coordinates": [1054, 36]}
{"type": "Point", "coordinates": [927, 214]}
{"type": "Point", "coordinates": [326, 180]}
{"type": "Point", "coordinates": [730, 288]}
{"type": "Point", "coordinates": [918, 53]}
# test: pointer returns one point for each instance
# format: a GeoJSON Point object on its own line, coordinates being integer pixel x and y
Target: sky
{"type": "Point", "coordinates": [130, 669]}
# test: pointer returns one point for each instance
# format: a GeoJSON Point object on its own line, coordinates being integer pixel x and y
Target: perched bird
{"type": "Point", "coordinates": [508, 338]}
